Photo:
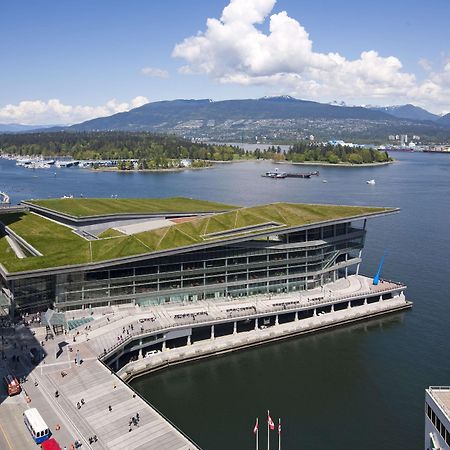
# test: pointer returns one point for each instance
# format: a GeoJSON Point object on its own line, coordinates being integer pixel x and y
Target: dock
{"type": "Point", "coordinates": [277, 174]}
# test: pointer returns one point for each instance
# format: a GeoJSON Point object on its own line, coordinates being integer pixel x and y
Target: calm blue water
{"type": "Point", "coordinates": [359, 387]}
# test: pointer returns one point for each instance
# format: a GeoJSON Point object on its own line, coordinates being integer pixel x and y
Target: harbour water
{"type": "Point", "coordinates": [354, 387]}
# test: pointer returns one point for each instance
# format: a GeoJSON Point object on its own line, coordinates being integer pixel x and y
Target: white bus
{"type": "Point", "coordinates": [36, 425]}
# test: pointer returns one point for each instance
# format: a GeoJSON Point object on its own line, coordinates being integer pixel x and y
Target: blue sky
{"type": "Point", "coordinates": [88, 52]}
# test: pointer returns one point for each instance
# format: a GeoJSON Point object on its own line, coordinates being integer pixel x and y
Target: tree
{"type": "Point", "coordinates": [355, 158]}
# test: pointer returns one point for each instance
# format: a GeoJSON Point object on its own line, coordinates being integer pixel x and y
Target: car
{"type": "Point", "coordinates": [152, 352]}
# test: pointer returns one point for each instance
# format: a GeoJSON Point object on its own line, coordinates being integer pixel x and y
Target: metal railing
{"type": "Point", "coordinates": [207, 319]}
{"type": "Point", "coordinates": [439, 402]}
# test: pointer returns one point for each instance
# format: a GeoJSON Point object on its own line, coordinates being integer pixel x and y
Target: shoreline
{"type": "Point", "coordinates": [306, 163]}
{"type": "Point", "coordinates": [115, 169]}
{"type": "Point", "coordinates": [327, 164]}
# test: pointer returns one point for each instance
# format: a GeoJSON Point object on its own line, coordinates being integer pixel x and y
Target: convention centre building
{"type": "Point", "coordinates": [84, 253]}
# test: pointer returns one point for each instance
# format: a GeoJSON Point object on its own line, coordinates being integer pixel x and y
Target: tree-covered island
{"type": "Point", "coordinates": [149, 151]}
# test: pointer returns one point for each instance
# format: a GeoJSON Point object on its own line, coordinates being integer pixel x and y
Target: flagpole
{"type": "Point", "coordinates": [268, 437]}
{"type": "Point", "coordinates": [279, 434]}
{"type": "Point", "coordinates": [257, 435]}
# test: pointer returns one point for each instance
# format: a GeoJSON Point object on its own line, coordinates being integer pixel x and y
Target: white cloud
{"type": "Point", "coordinates": [233, 49]}
{"type": "Point", "coordinates": [53, 111]}
{"type": "Point", "coordinates": [425, 64]}
{"type": "Point", "coordinates": [154, 72]}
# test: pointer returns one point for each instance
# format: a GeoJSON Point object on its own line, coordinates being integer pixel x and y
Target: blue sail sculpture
{"type": "Point", "coordinates": [376, 278]}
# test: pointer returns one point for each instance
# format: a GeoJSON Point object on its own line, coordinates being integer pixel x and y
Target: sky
{"type": "Point", "coordinates": [67, 61]}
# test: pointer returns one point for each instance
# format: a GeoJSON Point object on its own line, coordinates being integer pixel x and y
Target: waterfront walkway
{"type": "Point", "coordinates": [69, 419]}
{"type": "Point", "coordinates": [116, 326]}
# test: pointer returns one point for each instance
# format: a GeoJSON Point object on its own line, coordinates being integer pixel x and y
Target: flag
{"type": "Point", "coordinates": [279, 426]}
{"type": "Point", "coordinates": [270, 422]}
{"type": "Point", "coordinates": [255, 429]}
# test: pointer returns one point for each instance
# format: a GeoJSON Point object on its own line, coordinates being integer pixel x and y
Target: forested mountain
{"type": "Point", "coordinates": [445, 120]}
{"type": "Point", "coordinates": [170, 113]}
{"type": "Point", "coordinates": [408, 111]}
{"type": "Point", "coordinates": [270, 118]}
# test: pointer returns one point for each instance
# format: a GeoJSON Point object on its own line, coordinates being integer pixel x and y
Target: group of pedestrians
{"type": "Point", "coordinates": [133, 421]}
{"type": "Point", "coordinates": [80, 403]}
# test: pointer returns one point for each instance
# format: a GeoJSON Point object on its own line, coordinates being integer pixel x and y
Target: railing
{"type": "Point", "coordinates": [441, 404]}
{"type": "Point", "coordinates": [259, 312]}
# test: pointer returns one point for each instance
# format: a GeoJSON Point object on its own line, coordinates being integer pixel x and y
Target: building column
{"type": "Point", "coordinates": [357, 267]}
{"type": "Point", "coordinates": [365, 301]}
{"type": "Point", "coordinates": [276, 320]}
{"type": "Point", "coordinates": [332, 308]}
{"type": "Point", "coordinates": [349, 304]}
{"type": "Point", "coordinates": [164, 347]}
{"type": "Point", "coordinates": [117, 364]}
{"type": "Point", "coordinates": [140, 356]}
{"type": "Point", "coordinates": [314, 312]}
{"type": "Point", "coordinates": [295, 316]}
{"type": "Point", "coordinates": [381, 298]}
{"type": "Point", "coordinates": [212, 332]}
{"type": "Point", "coordinates": [189, 340]}
{"type": "Point", "coordinates": [256, 323]}
{"type": "Point", "coordinates": [234, 327]}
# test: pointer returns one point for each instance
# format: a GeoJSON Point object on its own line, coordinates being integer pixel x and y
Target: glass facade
{"type": "Point", "coordinates": [275, 264]}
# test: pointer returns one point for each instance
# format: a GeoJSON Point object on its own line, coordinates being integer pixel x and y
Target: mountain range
{"type": "Point", "coordinates": [279, 118]}
{"type": "Point", "coordinates": [20, 128]}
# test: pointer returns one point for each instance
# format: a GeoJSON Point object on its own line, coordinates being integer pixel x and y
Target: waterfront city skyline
{"type": "Point", "coordinates": [72, 62]}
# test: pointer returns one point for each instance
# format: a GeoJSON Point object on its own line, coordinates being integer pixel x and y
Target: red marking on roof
{"type": "Point", "coordinates": [183, 219]}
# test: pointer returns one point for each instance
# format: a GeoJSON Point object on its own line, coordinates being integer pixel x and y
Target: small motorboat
{"type": "Point", "coordinates": [370, 181]}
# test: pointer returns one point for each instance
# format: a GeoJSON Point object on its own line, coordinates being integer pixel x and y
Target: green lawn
{"type": "Point", "coordinates": [82, 207]}
{"type": "Point", "coordinates": [60, 246]}
{"type": "Point", "coordinates": [109, 233]}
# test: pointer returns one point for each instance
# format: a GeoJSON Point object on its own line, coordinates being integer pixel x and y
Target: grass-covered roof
{"type": "Point", "coordinates": [60, 246]}
{"type": "Point", "coordinates": [88, 207]}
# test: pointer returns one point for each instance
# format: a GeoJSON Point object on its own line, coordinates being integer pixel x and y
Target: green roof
{"type": "Point", "coordinates": [60, 246]}
{"type": "Point", "coordinates": [88, 207]}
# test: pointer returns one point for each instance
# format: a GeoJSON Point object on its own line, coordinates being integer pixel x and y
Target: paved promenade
{"type": "Point", "coordinates": [113, 328]}
{"type": "Point", "coordinates": [97, 386]}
